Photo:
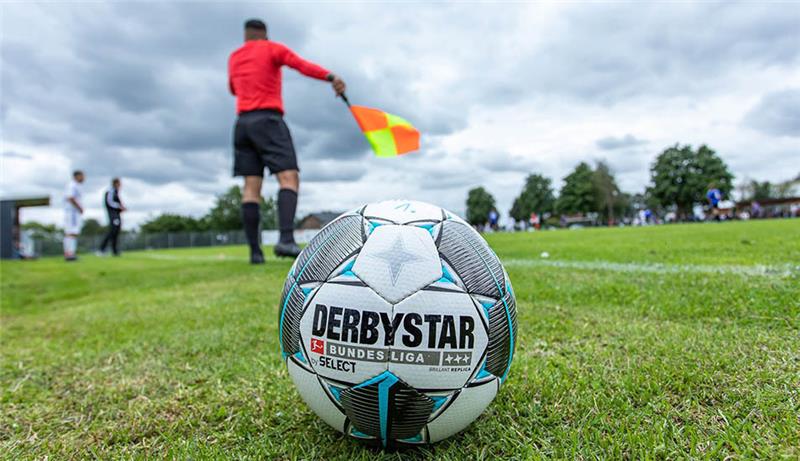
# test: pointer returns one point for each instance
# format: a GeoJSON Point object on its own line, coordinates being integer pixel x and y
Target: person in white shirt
{"type": "Point", "coordinates": [73, 209]}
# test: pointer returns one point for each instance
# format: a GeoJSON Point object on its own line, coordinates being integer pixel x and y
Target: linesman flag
{"type": "Point", "coordinates": [389, 135]}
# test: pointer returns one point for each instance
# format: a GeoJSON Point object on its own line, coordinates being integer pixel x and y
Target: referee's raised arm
{"type": "Point", "coordinates": [289, 58]}
{"type": "Point", "coordinates": [261, 138]}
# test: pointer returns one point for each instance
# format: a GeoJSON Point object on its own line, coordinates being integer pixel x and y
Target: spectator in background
{"type": "Point", "coordinates": [714, 196]}
{"type": "Point", "coordinates": [493, 218]}
{"type": "Point", "coordinates": [73, 215]}
{"type": "Point", "coordinates": [535, 223]}
{"type": "Point", "coordinates": [114, 208]}
{"type": "Point", "coordinates": [755, 209]}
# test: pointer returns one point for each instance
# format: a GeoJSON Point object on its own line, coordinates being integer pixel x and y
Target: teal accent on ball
{"type": "Point", "coordinates": [294, 284]}
{"type": "Point", "coordinates": [373, 225]}
{"type": "Point", "coordinates": [446, 275]}
{"type": "Point", "coordinates": [336, 392]}
{"type": "Point", "coordinates": [438, 401]}
{"type": "Point", "coordinates": [483, 373]}
{"type": "Point", "coordinates": [385, 382]}
{"type": "Point", "coordinates": [487, 306]}
{"type": "Point", "coordinates": [416, 439]}
{"type": "Point", "coordinates": [508, 314]}
{"type": "Point", "coordinates": [428, 227]}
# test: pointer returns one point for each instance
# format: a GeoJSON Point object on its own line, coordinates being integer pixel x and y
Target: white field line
{"type": "Point", "coordinates": [784, 270]}
{"type": "Point", "coordinates": [166, 257]}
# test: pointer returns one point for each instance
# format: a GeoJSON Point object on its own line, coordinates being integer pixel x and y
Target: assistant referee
{"type": "Point", "coordinates": [261, 138]}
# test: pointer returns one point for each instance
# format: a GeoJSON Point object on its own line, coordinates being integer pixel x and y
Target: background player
{"type": "Point", "coordinates": [261, 138]}
{"type": "Point", "coordinates": [714, 196]}
{"type": "Point", "coordinates": [73, 209]}
{"type": "Point", "coordinates": [114, 208]}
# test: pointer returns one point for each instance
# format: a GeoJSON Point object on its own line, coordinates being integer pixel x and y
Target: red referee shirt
{"type": "Point", "coordinates": [254, 74]}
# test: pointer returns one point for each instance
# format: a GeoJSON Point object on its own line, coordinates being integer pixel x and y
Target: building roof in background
{"type": "Point", "coordinates": [770, 201]}
{"type": "Point", "coordinates": [28, 201]}
{"type": "Point", "coordinates": [323, 217]}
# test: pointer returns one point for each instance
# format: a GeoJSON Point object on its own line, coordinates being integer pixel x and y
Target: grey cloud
{"type": "Point", "coordinates": [606, 54]}
{"type": "Point", "coordinates": [11, 154]}
{"type": "Point", "coordinates": [120, 86]}
{"type": "Point", "coordinates": [500, 162]}
{"type": "Point", "coordinates": [628, 161]}
{"type": "Point", "coordinates": [777, 113]}
{"type": "Point", "coordinates": [438, 183]}
{"type": "Point", "coordinates": [612, 142]}
{"type": "Point", "coordinates": [333, 170]}
{"type": "Point", "coordinates": [155, 81]}
{"type": "Point", "coordinates": [140, 90]}
{"type": "Point", "coordinates": [158, 81]}
{"type": "Point", "coordinates": [438, 170]}
{"type": "Point", "coordinates": [47, 182]}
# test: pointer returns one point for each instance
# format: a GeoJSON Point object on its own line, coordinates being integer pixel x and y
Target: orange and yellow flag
{"type": "Point", "coordinates": [389, 135]}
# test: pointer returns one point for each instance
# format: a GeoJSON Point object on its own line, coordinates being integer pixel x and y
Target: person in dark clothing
{"type": "Point", "coordinates": [114, 208]}
{"type": "Point", "coordinates": [261, 138]}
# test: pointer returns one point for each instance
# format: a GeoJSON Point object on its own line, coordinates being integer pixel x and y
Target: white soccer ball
{"type": "Point", "coordinates": [398, 323]}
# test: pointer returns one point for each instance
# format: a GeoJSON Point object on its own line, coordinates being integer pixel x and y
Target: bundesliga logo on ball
{"type": "Point", "coordinates": [398, 324]}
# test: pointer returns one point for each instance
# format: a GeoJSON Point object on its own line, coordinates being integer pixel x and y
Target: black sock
{"type": "Point", "coordinates": [251, 217]}
{"type": "Point", "coordinates": [287, 205]}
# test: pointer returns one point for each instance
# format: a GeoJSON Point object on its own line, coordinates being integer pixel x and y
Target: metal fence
{"type": "Point", "coordinates": [129, 241]}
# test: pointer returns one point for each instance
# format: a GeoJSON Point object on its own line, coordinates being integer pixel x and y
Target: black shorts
{"type": "Point", "coordinates": [262, 139]}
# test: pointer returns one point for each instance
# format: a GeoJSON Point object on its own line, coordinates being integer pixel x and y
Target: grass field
{"type": "Point", "coordinates": [658, 342]}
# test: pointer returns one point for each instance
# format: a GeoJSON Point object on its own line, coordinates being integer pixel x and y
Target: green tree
{"type": "Point", "coordinates": [761, 190]}
{"type": "Point", "coordinates": [608, 197]}
{"type": "Point", "coordinates": [169, 222]}
{"type": "Point", "coordinates": [789, 188]}
{"type": "Point", "coordinates": [536, 197]}
{"type": "Point", "coordinates": [40, 231]}
{"type": "Point", "coordinates": [227, 211]}
{"type": "Point", "coordinates": [479, 204]}
{"type": "Point", "coordinates": [269, 214]}
{"type": "Point", "coordinates": [517, 211]}
{"type": "Point", "coordinates": [681, 176]}
{"type": "Point", "coordinates": [624, 205]}
{"type": "Point", "coordinates": [92, 227]}
{"type": "Point", "coordinates": [578, 193]}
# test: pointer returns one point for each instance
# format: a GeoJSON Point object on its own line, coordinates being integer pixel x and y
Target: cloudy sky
{"type": "Point", "coordinates": [139, 90]}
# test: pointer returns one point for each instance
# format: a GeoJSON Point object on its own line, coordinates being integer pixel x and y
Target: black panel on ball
{"type": "Point", "coordinates": [474, 262]}
{"type": "Point", "coordinates": [407, 410]}
{"type": "Point", "coordinates": [326, 251]}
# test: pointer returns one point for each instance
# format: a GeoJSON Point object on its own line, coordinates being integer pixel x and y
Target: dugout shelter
{"type": "Point", "coordinates": [9, 223]}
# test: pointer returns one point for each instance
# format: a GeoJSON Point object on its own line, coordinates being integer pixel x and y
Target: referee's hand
{"type": "Point", "coordinates": [338, 84]}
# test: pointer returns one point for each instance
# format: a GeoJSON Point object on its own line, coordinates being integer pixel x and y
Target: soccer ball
{"type": "Point", "coordinates": [398, 323]}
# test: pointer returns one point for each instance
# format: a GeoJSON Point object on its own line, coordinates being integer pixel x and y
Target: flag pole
{"type": "Point", "coordinates": [344, 98]}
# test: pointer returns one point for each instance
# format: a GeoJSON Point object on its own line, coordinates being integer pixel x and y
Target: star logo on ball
{"type": "Point", "coordinates": [396, 257]}
{"type": "Point", "coordinates": [317, 346]}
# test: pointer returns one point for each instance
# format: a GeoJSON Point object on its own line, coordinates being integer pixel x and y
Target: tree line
{"type": "Point", "coordinates": [225, 215]}
{"type": "Point", "coordinates": [680, 177]}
